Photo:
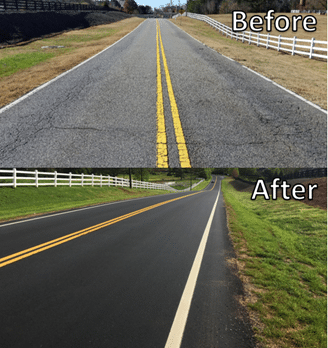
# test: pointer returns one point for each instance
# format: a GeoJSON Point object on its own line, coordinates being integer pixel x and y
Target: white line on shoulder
{"type": "Point", "coordinates": [176, 333]}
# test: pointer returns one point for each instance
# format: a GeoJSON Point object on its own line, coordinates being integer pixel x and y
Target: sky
{"type": "Point", "coordinates": [158, 3]}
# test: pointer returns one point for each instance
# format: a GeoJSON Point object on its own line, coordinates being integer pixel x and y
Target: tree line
{"type": "Point", "coordinates": [144, 174]}
{"type": "Point", "coordinates": [253, 6]}
{"type": "Point", "coordinates": [130, 6]}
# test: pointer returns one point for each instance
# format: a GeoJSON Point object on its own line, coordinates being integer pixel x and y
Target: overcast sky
{"type": "Point", "coordinates": [158, 3]}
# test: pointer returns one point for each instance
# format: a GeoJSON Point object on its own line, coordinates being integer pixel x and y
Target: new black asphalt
{"type": "Point", "coordinates": [103, 114]}
{"type": "Point", "coordinates": [120, 286]}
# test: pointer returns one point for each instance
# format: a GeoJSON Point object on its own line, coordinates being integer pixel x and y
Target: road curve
{"type": "Point", "coordinates": [106, 112]}
{"type": "Point", "coordinates": [120, 285]}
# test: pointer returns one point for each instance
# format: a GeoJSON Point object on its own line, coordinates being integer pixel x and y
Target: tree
{"type": "Point", "coordinates": [203, 173]}
{"type": "Point", "coordinates": [130, 6]}
{"type": "Point", "coordinates": [235, 173]}
{"type": "Point", "coordinates": [141, 174]}
{"type": "Point", "coordinates": [144, 9]}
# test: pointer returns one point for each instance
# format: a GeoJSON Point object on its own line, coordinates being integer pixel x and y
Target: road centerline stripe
{"type": "Point", "coordinates": [176, 333]}
{"type": "Point", "coordinates": [162, 158]}
{"type": "Point", "coordinates": [47, 245]}
{"type": "Point", "coordinates": [180, 139]}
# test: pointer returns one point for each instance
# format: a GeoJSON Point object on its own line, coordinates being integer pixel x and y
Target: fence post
{"type": "Point", "coordinates": [16, 3]}
{"type": "Point", "coordinates": [100, 180]}
{"type": "Point", "coordinates": [92, 179]}
{"type": "Point", "coordinates": [279, 41]}
{"type": "Point", "coordinates": [293, 48]}
{"type": "Point", "coordinates": [36, 178]}
{"type": "Point", "coordinates": [108, 180]}
{"type": "Point", "coordinates": [311, 48]}
{"type": "Point", "coordinates": [4, 5]}
{"type": "Point", "coordinates": [258, 39]}
{"type": "Point", "coordinates": [250, 37]}
{"type": "Point", "coordinates": [242, 40]}
{"type": "Point", "coordinates": [55, 178]}
{"type": "Point", "coordinates": [268, 40]}
{"type": "Point", "coordinates": [70, 179]}
{"type": "Point", "coordinates": [82, 177]}
{"type": "Point", "coordinates": [14, 178]}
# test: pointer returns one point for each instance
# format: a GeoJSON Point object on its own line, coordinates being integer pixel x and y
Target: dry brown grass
{"type": "Point", "coordinates": [306, 77]}
{"type": "Point", "coordinates": [20, 83]}
{"type": "Point", "coordinates": [320, 34]}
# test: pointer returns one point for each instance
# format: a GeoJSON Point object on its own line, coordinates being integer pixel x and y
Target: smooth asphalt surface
{"type": "Point", "coordinates": [120, 286]}
{"type": "Point", "coordinates": [103, 114]}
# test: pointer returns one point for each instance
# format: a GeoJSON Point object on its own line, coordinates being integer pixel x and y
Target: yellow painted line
{"type": "Point", "coordinates": [180, 139]}
{"type": "Point", "coordinates": [216, 178]}
{"type": "Point", "coordinates": [162, 159]}
{"type": "Point", "coordinates": [44, 246]}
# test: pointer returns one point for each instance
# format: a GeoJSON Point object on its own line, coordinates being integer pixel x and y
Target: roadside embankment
{"type": "Point", "coordinates": [281, 249]}
{"type": "Point", "coordinates": [24, 202]}
{"type": "Point", "coordinates": [18, 27]}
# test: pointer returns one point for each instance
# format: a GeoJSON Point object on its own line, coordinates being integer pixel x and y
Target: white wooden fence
{"type": "Point", "coordinates": [37, 178]}
{"type": "Point", "coordinates": [311, 48]}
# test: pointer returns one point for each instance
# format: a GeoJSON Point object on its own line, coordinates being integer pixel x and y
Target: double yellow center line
{"type": "Point", "coordinates": [41, 247]}
{"type": "Point", "coordinates": [162, 153]}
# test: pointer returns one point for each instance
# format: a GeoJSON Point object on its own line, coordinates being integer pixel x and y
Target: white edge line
{"type": "Point", "coordinates": [175, 336]}
{"type": "Point", "coordinates": [5, 108]}
{"type": "Point", "coordinates": [264, 77]}
{"type": "Point", "coordinates": [73, 210]}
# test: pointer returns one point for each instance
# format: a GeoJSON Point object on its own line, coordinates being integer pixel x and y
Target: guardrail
{"type": "Point", "coordinates": [311, 48]}
{"type": "Point", "coordinates": [14, 178]}
{"type": "Point", "coordinates": [39, 5]}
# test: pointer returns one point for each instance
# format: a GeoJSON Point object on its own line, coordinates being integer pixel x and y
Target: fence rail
{"type": "Point", "coordinates": [311, 48]}
{"type": "Point", "coordinates": [39, 5]}
{"type": "Point", "coordinates": [15, 178]}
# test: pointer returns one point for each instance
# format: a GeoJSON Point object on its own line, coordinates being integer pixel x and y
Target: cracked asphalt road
{"type": "Point", "coordinates": [103, 114]}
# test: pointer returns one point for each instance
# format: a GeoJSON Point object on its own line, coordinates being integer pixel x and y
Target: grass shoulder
{"type": "Point", "coordinates": [281, 249]}
{"type": "Point", "coordinates": [30, 201]}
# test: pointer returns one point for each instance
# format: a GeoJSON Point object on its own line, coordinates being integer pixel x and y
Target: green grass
{"type": "Point", "coordinates": [285, 243]}
{"type": "Point", "coordinates": [25, 201]}
{"type": "Point", "coordinates": [202, 185]}
{"type": "Point", "coordinates": [11, 64]}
